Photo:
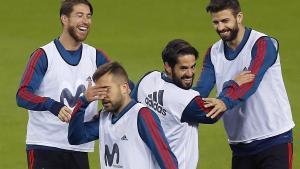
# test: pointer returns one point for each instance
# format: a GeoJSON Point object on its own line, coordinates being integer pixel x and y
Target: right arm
{"type": "Point", "coordinates": [196, 112]}
{"type": "Point", "coordinates": [80, 132]}
{"type": "Point", "coordinates": [31, 80]}
{"type": "Point", "coordinates": [207, 80]}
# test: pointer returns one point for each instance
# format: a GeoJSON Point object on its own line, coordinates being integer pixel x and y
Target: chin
{"type": "Point", "coordinates": [187, 86]}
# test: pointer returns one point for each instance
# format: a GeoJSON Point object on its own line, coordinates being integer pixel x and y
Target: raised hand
{"type": "Point", "coordinates": [93, 93]}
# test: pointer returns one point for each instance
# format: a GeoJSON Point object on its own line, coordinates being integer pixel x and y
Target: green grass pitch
{"type": "Point", "coordinates": [134, 33]}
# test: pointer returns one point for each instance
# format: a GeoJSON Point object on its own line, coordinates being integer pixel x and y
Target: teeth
{"type": "Point", "coordinates": [187, 79]}
{"type": "Point", "coordinates": [83, 28]}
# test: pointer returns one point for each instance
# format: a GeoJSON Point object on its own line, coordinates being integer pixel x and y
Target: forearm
{"type": "Point", "coordinates": [80, 132]}
{"type": "Point", "coordinates": [26, 99]}
{"type": "Point", "coordinates": [195, 112]}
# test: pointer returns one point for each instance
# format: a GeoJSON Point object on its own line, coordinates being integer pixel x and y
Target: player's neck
{"type": "Point", "coordinates": [235, 43]}
{"type": "Point", "coordinates": [125, 102]}
{"type": "Point", "coordinates": [69, 42]}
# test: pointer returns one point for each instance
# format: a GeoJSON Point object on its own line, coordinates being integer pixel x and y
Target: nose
{"type": "Point", "coordinates": [190, 72]}
{"type": "Point", "coordinates": [220, 26]}
{"type": "Point", "coordinates": [86, 20]}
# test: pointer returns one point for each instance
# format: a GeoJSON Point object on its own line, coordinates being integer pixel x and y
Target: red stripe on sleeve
{"type": "Point", "coordinates": [23, 93]}
{"type": "Point", "coordinates": [30, 97]}
{"type": "Point", "coordinates": [77, 106]}
{"type": "Point", "coordinates": [30, 67]}
{"type": "Point", "coordinates": [159, 142]}
{"type": "Point", "coordinates": [104, 54]}
{"type": "Point", "coordinates": [200, 103]}
{"type": "Point", "coordinates": [254, 68]}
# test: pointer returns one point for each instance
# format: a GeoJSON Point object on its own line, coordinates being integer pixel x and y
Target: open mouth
{"type": "Point", "coordinates": [83, 29]}
{"type": "Point", "coordinates": [187, 80]}
{"type": "Point", "coordinates": [105, 103]}
{"type": "Point", "coordinates": [224, 33]}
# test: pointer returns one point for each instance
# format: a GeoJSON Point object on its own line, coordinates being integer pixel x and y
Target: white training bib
{"type": "Point", "coordinates": [168, 101]}
{"type": "Point", "coordinates": [64, 83]}
{"type": "Point", "coordinates": [121, 145]}
{"type": "Point", "coordinates": [264, 114]}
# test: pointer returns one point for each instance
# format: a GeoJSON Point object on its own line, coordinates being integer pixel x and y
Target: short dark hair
{"type": "Point", "coordinates": [175, 49]}
{"type": "Point", "coordinates": [114, 68]}
{"type": "Point", "coordinates": [219, 5]}
{"type": "Point", "coordinates": [67, 6]}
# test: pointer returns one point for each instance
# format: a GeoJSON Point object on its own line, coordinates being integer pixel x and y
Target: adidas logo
{"type": "Point", "coordinates": [124, 138]}
{"type": "Point", "coordinates": [155, 101]}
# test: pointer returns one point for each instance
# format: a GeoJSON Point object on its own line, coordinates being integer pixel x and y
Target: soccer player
{"type": "Point", "coordinates": [55, 76]}
{"type": "Point", "coordinates": [259, 120]}
{"type": "Point", "coordinates": [130, 134]}
{"type": "Point", "coordinates": [179, 108]}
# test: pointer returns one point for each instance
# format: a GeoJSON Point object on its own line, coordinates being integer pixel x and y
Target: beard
{"type": "Point", "coordinates": [109, 106]}
{"type": "Point", "coordinates": [72, 32]}
{"type": "Point", "coordinates": [232, 35]}
{"type": "Point", "coordinates": [178, 81]}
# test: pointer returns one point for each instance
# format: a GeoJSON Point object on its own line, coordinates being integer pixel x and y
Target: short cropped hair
{"type": "Point", "coordinates": [113, 68]}
{"type": "Point", "coordinates": [66, 7]}
{"type": "Point", "coordinates": [219, 5]}
{"type": "Point", "coordinates": [175, 49]}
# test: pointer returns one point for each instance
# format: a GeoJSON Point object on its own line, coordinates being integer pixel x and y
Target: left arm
{"type": "Point", "coordinates": [152, 134]}
{"type": "Point", "coordinates": [79, 131]}
{"type": "Point", "coordinates": [264, 55]}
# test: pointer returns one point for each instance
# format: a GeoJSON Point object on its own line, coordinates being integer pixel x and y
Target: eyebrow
{"type": "Point", "coordinates": [83, 13]}
{"type": "Point", "coordinates": [105, 87]}
{"type": "Point", "coordinates": [183, 66]}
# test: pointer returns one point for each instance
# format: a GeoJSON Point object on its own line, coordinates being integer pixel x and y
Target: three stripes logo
{"type": "Point", "coordinates": [155, 100]}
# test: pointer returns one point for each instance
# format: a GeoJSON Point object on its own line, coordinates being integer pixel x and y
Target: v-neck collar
{"type": "Point", "coordinates": [116, 117]}
{"type": "Point", "coordinates": [232, 54]}
{"type": "Point", "coordinates": [70, 57]}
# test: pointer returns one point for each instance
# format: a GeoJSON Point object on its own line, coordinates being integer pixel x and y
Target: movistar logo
{"type": "Point", "coordinates": [155, 100]}
{"type": "Point", "coordinates": [109, 157]}
{"type": "Point", "coordinates": [66, 94]}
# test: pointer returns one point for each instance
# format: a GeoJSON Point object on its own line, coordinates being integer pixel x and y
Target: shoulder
{"type": "Point", "coordinates": [151, 73]}
{"type": "Point", "coordinates": [38, 55]}
{"type": "Point", "coordinates": [146, 114]}
{"type": "Point", "coordinates": [101, 53]}
{"type": "Point", "coordinates": [266, 43]}
{"type": "Point", "coordinates": [207, 53]}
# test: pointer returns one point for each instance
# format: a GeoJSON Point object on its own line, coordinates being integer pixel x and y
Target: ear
{"type": "Point", "coordinates": [64, 19]}
{"type": "Point", "coordinates": [240, 17]}
{"type": "Point", "coordinates": [125, 88]}
{"type": "Point", "coordinates": [168, 68]}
